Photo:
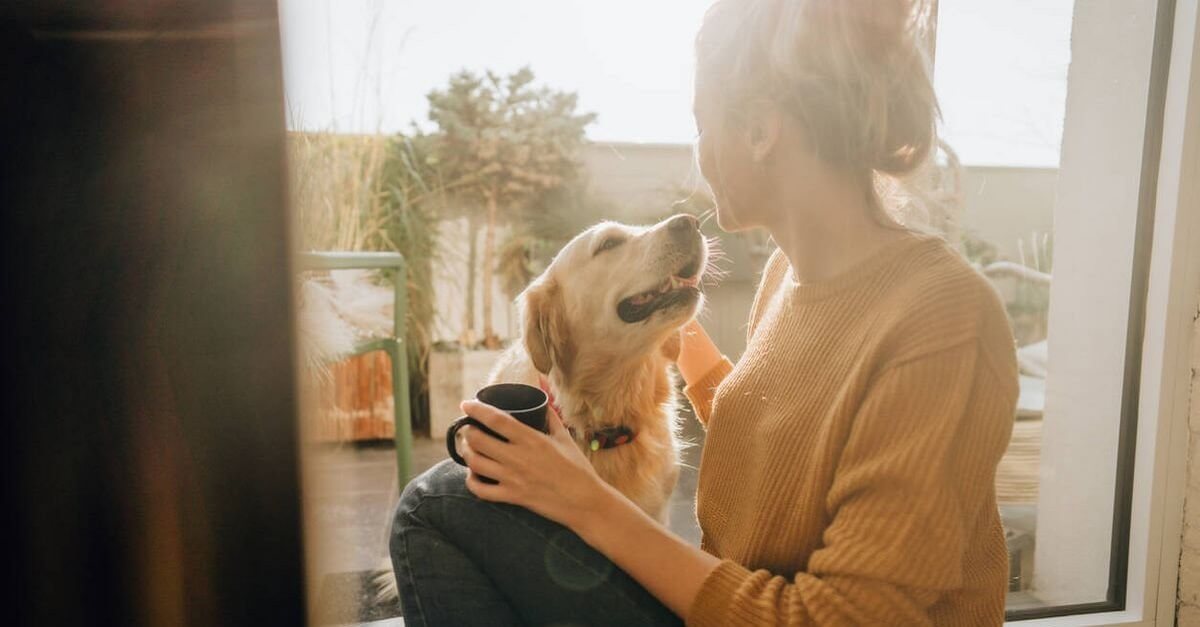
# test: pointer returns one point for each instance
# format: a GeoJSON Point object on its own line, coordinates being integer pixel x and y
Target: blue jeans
{"type": "Point", "coordinates": [461, 561]}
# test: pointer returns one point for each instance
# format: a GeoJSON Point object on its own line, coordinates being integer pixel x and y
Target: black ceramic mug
{"type": "Point", "coordinates": [523, 402]}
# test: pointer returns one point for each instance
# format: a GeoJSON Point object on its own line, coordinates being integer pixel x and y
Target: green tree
{"type": "Point", "coordinates": [508, 142]}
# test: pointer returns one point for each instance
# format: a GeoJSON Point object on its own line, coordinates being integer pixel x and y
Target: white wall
{"type": "Point", "coordinates": [450, 286]}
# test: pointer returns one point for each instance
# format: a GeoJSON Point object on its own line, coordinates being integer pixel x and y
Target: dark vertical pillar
{"type": "Point", "coordinates": [147, 402]}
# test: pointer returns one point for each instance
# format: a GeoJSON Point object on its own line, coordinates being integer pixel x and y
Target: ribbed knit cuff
{"type": "Point", "coordinates": [700, 393]}
{"type": "Point", "coordinates": [713, 604]}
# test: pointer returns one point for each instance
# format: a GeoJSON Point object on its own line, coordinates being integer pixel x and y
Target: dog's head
{"type": "Point", "coordinates": [616, 291]}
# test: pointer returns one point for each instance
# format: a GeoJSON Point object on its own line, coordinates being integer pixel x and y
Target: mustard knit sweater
{"type": "Point", "coordinates": [847, 476]}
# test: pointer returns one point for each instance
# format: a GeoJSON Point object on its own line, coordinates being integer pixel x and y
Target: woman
{"type": "Point", "coordinates": [847, 474]}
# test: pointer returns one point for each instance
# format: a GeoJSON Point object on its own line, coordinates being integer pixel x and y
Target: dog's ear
{"type": "Point", "coordinates": [546, 335]}
{"type": "Point", "coordinates": [670, 347]}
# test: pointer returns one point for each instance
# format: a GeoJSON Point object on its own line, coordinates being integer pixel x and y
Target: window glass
{"type": "Point", "coordinates": [1046, 212]}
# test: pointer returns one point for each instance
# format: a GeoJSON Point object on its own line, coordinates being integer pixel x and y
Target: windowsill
{"type": "Point", "coordinates": [1104, 619]}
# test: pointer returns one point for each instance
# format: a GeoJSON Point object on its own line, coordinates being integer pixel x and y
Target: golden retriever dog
{"type": "Point", "coordinates": [601, 331]}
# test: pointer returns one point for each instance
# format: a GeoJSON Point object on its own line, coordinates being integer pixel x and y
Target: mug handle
{"type": "Point", "coordinates": [452, 436]}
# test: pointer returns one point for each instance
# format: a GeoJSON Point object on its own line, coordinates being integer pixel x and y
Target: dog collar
{"type": "Point", "coordinates": [599, 439]}
{"type": "Point", "coordinates": [610, 437]}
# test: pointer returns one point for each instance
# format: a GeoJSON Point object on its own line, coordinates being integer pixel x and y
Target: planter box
{"type": "Point", "coordinates": [355, 403]}
{"type": "Point", "coordinates": [453, 377]}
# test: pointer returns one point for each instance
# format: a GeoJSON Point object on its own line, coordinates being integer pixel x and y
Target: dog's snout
{"type": "Point", "coordinates": [683, 225]}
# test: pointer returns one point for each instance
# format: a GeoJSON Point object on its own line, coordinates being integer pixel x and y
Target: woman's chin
{"type": "Point", "coordinates": [728, 222]}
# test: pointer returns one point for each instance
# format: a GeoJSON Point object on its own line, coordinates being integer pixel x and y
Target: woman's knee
{"type": "Point", "coordinates": [438, 500]}
{"type": "Point", "coordinates": [444, 478]}
{"type": "Point", "coordinates": [410, 514]}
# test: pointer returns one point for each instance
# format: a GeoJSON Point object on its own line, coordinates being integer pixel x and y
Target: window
{"type": "Point", "coordinates": [1066, 237]}
{"type": "Point", "coordinates": [1071, 123]}
{"type": "Point", "coordinates": [1081, 227]}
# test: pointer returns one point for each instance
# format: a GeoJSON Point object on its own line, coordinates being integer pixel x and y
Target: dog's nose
{"type": "Point", "coordinates": [683, 224]}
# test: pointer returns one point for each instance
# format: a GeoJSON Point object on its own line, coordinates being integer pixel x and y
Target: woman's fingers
{"type": "Point", "coordinates": [485, 491]}
{"type": "Point", "coordinates": [480, 443]}
{"type": "Point", "coordinates": [495, 419]}
{"type": "Point", "coordinates": [487, 467]}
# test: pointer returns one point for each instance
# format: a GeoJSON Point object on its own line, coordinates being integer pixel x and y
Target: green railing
{"type": "Point", "coordinates": [392, 265]}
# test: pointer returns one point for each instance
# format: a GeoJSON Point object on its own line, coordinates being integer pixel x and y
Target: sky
{"type": "Point", "coordinates": [362, 66]}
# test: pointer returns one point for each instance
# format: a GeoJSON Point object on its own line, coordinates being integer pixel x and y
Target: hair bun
{"type": "Point", "coordinates": [853, 72]}
{"type": "Point", "coordinates": [910, 131]}
{"type": "Point", "coordinates": [881, 73]}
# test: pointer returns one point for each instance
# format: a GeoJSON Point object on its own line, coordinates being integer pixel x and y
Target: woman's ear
{"type": "Point", "coordinates": [764, 124]}
{"type": "Point", "coordinates": [546, 338]}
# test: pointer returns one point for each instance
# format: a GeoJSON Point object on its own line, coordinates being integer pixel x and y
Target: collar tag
{"type": "Point", "coordinates": [610, 437]}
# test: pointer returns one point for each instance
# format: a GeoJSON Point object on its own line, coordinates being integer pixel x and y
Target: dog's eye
{"type": "Point", "coordinates": [608, 244]}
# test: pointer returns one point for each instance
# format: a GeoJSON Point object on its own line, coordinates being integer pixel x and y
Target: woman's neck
{"type": "Point", "coordinates": [827, 234]}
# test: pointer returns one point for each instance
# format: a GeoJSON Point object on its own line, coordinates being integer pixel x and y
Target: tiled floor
{"type": "Point", "coordinates": [354, 509]}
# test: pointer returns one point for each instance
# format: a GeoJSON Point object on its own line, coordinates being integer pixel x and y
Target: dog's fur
{"type": "Point", "coordinates": [602, 370]}
{"type": "Point", "coordinates": [606, 352]}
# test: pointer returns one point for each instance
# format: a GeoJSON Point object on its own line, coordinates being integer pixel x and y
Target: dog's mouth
{"type": "Point", "coordinates": [681, 289]}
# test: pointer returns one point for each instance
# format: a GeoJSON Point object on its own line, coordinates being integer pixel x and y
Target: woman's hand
{"type": "Point", "coordinates": [546, 474]}
{"type": "Point", "coordinates": [549, 475]}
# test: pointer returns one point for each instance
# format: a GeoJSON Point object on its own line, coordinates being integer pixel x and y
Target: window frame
{"type": "Point", "coordinates": [1152, 435]}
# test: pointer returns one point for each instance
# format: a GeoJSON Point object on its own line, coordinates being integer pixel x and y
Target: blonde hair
{"type": "Point", "coordinates": [853, 72]}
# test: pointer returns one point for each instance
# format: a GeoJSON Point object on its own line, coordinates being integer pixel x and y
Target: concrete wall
{"type": "Point", "coordinates": [642, 179]}
{"type": "Point", "coordinates": [1189, 558]}
{"type": "Point", "coordinates": [1005, 206]}
{"type": "Point", "coordinates": [1008, 207]}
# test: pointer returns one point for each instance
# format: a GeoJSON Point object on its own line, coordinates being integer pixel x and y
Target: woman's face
{"type": "Point", "coordinates": [738, 183]}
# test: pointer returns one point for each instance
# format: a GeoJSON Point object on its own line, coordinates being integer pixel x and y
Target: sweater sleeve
{"type": "Point", "coordinates": [915, 475]}
{"type": "Point", "coordinates": [701, 392]}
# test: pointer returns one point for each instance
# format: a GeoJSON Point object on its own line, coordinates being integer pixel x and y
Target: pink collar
{"type": "Point", "coordinates": [545, 385]}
